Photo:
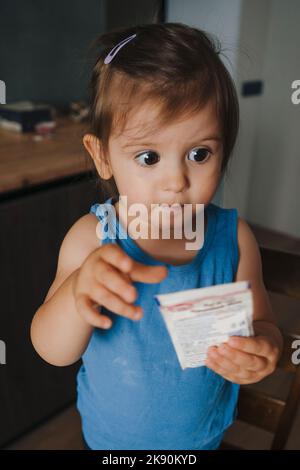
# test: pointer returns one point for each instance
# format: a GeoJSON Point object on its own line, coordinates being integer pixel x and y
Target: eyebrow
{"type": "Point", "coordinates": [149, 144]}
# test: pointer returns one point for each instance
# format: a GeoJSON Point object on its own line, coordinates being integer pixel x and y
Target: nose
{"type": "Point", "coordinates": [175, 180]}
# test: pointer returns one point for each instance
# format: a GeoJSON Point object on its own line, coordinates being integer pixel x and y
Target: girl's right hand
{"type": "Point", "coordinates": [104, 279]}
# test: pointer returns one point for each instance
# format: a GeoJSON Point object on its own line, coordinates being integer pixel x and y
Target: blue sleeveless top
{"type": "Point", "coordinates": [132, 392]}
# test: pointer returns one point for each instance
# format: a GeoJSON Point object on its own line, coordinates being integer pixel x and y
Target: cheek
{"type": "Point", "coordinates": [214, 170]}
{"type": "Point", "coordinates": [123, 172]}
{"type": "Point", "coordinates": [206, 175]}
{"type": "Point", "coordinates": [214, 175]}
{"type": "Point", "coordinates": [133, 183]}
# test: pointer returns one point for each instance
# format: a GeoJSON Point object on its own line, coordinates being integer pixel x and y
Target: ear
{"type": "Point", "coordinates": [92, 145]}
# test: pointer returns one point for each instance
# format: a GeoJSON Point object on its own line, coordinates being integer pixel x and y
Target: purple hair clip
{"type": "Point", "coordinates": [116, 49]}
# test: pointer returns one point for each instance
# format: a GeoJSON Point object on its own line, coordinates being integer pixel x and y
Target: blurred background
{"type": "Point", "coordinates": [47, 181]}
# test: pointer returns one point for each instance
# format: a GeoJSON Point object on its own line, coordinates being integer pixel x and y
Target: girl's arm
{"type": "Point", "coordinates": [89, 275]}
{"type": "Point", "coordinates": [246, 360]}
{"type": "Point", "coordinates": [250, 268]}
{"type": "Point", "coordinates": [58, 333]}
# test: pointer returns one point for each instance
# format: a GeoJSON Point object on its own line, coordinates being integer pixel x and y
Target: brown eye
{"type": "Point", "coordinates": [200, 154]}
{"type": "Point", "coordinates": [147, 158]}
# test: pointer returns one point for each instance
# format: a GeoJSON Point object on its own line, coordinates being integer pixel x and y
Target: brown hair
{"type": "Point", "coordinates": [172, 64]}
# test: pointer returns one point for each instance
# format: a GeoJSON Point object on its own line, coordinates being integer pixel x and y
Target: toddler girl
{"type": "Point", "coordinates": [163, 124]}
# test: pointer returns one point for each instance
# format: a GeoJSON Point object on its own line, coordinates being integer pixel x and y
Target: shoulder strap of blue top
{"type": "Point", "coordinates": [105, 214]}
{"type": "Point", "coordinates": [233, 217]}
{"type": "Point", "coordinates": [101, 210]}
{"type": "Point", "coordinates": [227, 224]}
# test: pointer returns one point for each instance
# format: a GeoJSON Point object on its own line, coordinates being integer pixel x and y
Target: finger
{"type": "Point", "coordinates": [243, 359]}
{"type": "Point", "coordinates": [223, 362]}
{"type": "Point", "coordinates": [104, 297]}
{"type": "Point", "coordinates": [87, 308]}
{"type": "Point", "coordinates": [218, 369]}
{"type": "Point", "coordinates": [113, 254]}
{"type": "Point", "coordinates": [258, 345]}
{"type": "Point", "coordinates": [146, 273]}
{"type": "Point", "coordinates": [243, 377]}
{"type": "Point", "coordinates": [115, 281]}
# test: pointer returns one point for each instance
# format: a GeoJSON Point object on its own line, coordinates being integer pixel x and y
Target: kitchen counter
{"type": "Point", "coordinates": [25, 161]}
{"type": "Point", "coordinates": [45, 187]}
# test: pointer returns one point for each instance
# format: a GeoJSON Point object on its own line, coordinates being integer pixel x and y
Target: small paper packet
{"type": "Point", "coordinates": [199, 318]}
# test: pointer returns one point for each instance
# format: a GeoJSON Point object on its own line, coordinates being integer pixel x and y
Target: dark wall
{"type": "Point", "coordinates": [43, 47]}
{"type": "Point", "coordinates": [130, 12]}
{"type": "Point", "coordinates": [44, 44]}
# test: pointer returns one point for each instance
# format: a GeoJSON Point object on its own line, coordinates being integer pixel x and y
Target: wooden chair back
{"type": "Point", "coordinates": [281, 273]}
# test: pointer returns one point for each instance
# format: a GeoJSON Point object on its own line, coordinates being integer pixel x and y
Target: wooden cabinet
{"type": "Point", "coordinates": [33, 225]}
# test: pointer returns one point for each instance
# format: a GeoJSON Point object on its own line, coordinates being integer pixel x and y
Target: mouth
{"type": "Point", "coordinates": [175, 206]}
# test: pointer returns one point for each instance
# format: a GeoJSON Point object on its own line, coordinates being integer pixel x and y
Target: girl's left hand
{"type": "Point", "coordinates": [244, 360]}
